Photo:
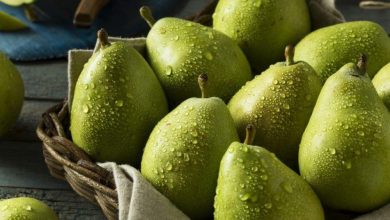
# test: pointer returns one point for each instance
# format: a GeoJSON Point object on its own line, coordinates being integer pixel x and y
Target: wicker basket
{"type": "Point", "coordinates": [68, 162]}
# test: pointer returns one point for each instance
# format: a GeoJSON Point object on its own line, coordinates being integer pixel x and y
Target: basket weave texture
{"type": "Point", "coordinates": [68, 162]}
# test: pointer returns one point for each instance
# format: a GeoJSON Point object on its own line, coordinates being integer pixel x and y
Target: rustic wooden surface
{"type": "Point", "coordinates": [67, 204]}
{"type": "Point", "coordinates": [22, 169]}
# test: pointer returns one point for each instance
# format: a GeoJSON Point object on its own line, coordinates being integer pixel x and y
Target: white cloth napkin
{"type": "Point", "coordinates": [138, 199]}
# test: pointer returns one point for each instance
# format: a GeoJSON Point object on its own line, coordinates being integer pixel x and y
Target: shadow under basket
{"type": "Point", "coordinates": [68, 162]}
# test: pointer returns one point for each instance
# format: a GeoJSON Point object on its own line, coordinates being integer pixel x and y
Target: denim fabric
{"type": "Point", "coordinates": [55, 36]}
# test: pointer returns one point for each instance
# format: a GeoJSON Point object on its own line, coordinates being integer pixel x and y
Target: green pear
{"type": "Point", "coordinates": [10, 23]}
{"type": "Point", "coordinates": [117, 101]}
{"type": "Point", "coordinates": [345, 149]}
{"type": "Point", "coordinates": [381, 83]}
{"type": "Point", "coordinates": [25, 208]}
{"type": "Point", "coordinates": [254, 184]}
{"type": "Point", "coordinates": [262, 28]}
{"type": "Point", "coordinates": [11, 94]}
{"type": "Point", "coordinates": [179, 49]}
{"type": "Point", "coordinates": [329, 48]}
{"type": "Point", "coordinates": [16, 3]}
{"type": "Point", "coordinates": [183, 153]}
{"type": "Point", "coordinates": [278, 103]}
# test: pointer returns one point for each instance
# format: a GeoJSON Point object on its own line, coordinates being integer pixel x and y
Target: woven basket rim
{"type": "Point", "coordinates": [66, 161]}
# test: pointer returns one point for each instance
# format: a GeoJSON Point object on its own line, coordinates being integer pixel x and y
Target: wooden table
{"type": "Point", "coordinates": [22, 168]}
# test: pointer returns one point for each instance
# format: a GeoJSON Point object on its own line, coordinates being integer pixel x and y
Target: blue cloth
{"type": "Point", "coordinates": [55, 36]}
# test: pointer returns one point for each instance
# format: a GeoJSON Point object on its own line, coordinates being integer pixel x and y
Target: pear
{"type": "Point", "coordinates": [262, 28]}
{"type": "Point", "coordinates": [25, 208]}
{"type": "Point", "coordinates": [345, 149]}
{"type": "Point", "coordinates": [381, 83]}
{"type": "Point", "coordinates": [278, 103]}
{"type": "Point", "coordinates": [117, 101]}
{"type": "Point", "coordinates": [11, 94]}
{"type": "Point", "coordinates": [179, 49]}
{"type": "Point", "coordinates": [329, 48]}
{"type": "Point", "coordinates": [10, 23]}
{"type": "Point", "coordinates": [183, 153]}
{"type": "Point", "coordinates": [16, 3]}
{"type": "Point", "coordinates": [254, 184]}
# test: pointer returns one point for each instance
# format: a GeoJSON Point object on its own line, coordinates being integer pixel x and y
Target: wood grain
{"type": "Point", "coordinates": [67, 204]}
{"type": "Point", "coordinates": [24, 130]}
{"type": "Point", "coordinates": [22, 165]}
{"type": "Point", "coordinates": [45, 80]}
{"type": "Point", "coordinates": [352, 12]}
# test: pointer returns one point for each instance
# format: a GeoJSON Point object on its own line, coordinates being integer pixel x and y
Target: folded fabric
{"type": "Point", "coordinates": [138, 200]}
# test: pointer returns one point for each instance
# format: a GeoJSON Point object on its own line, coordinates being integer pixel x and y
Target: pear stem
{"type": "Point", "coordinates": [147, 15]}
{"type": "Point", "coordinates": [289, 54]}
{"type": "Point", "coordinates": [250, 134]}
{"type": "Point", "coordinates": [362, 64]}
{"type": "Point", "coordinates": [202, 81]}
{"type": "Point", "coordinates": [103, 38]}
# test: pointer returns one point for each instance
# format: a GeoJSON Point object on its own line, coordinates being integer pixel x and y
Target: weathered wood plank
{"type": "Point", "coordinates": [67, 204]}
{"type": "Point", "coordinates": [24, 130]}
{"type": "Point", "coordinates": [45, 79]}
{"type": "Point", "coordinates": [22, 165]}
{"type": "Point", "coordinates": [352, 12]}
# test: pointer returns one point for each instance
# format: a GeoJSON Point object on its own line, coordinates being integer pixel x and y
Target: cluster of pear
{"type": "Point", "coordinates": [317, 112]}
